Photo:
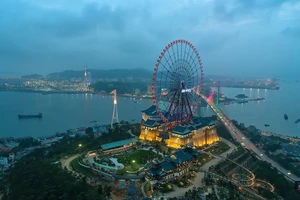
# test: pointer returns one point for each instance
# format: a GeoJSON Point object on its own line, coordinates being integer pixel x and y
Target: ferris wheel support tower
{"type": "Point", "coordinates": [115, 116]}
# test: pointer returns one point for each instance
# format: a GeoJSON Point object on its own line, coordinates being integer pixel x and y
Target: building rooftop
{"type": "Point", "coordinates": [182, 130]}
{"type": "Point", "coordinates": [167, 166]}
{"type": "Point", "coordinates": [118, 143]}
{"type": "Point", "coordinates": [152, 123]}
{"type": "Point", "coordinates": [195, 124]}
{"type": "Point", "coordinates": [180, 156]}
{"type": "Point", "coordinates": [164, 135]}
{"type": "Point", "coordinates": [170, 163]}
{"type": "Point", "coordinates": [151, 111]}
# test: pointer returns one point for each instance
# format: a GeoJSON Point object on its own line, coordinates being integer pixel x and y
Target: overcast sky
{"type": "Point", "coordinates": [238, 37]}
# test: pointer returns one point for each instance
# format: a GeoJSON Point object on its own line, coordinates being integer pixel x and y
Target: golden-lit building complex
{"type": "Point", "coordinates": [198, 132]}
{"type": "Point", "coordinates": [171, 167]}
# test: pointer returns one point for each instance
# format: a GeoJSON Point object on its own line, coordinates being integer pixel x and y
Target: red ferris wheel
{"type": "Point", "coordinates": [177, 82]}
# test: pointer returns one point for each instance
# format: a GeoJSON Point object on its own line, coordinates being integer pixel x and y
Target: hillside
{"type": "Point", "coordinates": [112, 73]}
{"type": "Point", "coordinates": [32, 76]}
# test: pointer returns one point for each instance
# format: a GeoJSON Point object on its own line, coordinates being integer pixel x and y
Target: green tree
{"type": "Point", "coordinates": [107, 190]}
{"type": "Point", "coordinates": [89, 130]}
{"type": "Point", "coordinates": [100, 190]}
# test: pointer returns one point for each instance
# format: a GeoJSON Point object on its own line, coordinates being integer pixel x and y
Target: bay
{"type": "Point", "coordinates": [65, 111]}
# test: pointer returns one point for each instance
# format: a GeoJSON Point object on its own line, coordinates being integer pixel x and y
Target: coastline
{"type": "Point", "coordinates": [252, 87]}
{"type": "Point", "coordinates": [50, 92]}
{"type": "Point", "coordinates": [286, 137]}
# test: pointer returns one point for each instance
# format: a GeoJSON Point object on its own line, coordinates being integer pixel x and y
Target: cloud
{"type": "Point", "coordinates": [207, 46]}
{"type": "Point", "coordinates": [291, 32]}
{"type": "Point", "coordinates": [290, 11]}
{"type": "Point", "coordinates": [231, 10]}
{"type": "Point", "coordinates": [53, 35]}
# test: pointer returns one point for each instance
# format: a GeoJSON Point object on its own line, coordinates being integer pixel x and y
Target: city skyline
{"type": "Point", "coordinates": [233, 37]}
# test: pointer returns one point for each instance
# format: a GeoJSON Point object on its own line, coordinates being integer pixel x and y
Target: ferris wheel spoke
{"type": "Point", "coordinates": [174, 53]}
{"type": "Point", "coordinates": [187, 53]}
{"type": "Point", "coordinates": [170, 57]}
{"type": "Point", "coordinates": [178, 55]}
{"type": "Point", "coordinates": [181, 51]}
{"type": "Point", "coordinates": [192, 57]}
{"type": "Point", "coordinates": [185, 109]}
{"type": "Point", "coordinates": [189, 104]}
{"type": "Point", "coordinates": [167, 61]}
{"type": "Point", "coordinates": [177, 77]}
{"type": "Point", "coordinates": [167, 75]}
{"type": "Point", "coordinates": [192, 60]}
{"type": "Point", "coordinates": [171, 104]}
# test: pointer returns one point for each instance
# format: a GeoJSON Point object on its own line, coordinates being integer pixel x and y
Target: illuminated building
{"type": "Point", "coordinates": [198, 132]}
{"type": "Point", "coordinates": [173, 166]}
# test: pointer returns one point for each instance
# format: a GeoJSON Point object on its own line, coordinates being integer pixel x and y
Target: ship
{"type": "Point", "coordinates": [286, 117]}
{"type": "Point", "coordinates": [267, 125]}
{"type": "Point", "coordinates": [137, 102]}
{"type": "Point", "coordinates": [40, 115]}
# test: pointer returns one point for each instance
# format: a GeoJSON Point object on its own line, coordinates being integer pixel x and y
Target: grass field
{"type": "Point", "coordinates": [78, 168]}
{"type": "Point", "coordinates": [219, 148]}
{"type": "Point", "coordinates": [204, 158]}
{"type": "Point", "coordinates": [133, 161]}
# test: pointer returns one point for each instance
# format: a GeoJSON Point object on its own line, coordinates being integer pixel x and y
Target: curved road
{"type": "Point", "coordinates": [66, 163]}
{"type": "Point", "coordinates": [246, 143]}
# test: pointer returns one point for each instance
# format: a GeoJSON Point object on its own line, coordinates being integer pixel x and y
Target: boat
{"type": "Point", "coordinates": [298, 120]}
{"type": "Point", "coordinates": [267, 125]}
{"type": "Point", "coordinates": [40, 115]}
{"type": "Point", "coordinates": [286, 117]}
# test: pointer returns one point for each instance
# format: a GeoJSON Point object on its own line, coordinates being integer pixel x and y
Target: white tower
{"type": "Point", "coordinates": [85, 80]}
{"type": "Point", "coordinates": [115, 117]}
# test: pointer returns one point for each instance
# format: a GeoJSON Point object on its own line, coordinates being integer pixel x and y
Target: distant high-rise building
{"type": "Point", "coordinates": [137, 91]}
{"type": "Point", "coordinates": [85, 80]}
{"type": "Point", "coordinates": [89, 78]}
{"type": "Point", "coordinates": [149, 89]}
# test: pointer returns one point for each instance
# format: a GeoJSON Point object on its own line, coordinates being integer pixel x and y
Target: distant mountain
{"type": "Point", "coordinates": [34, 76]}
{"type": "Point", "coordinates": [216, 77]}
{"type": "Point", "coordinates": [97, 73]}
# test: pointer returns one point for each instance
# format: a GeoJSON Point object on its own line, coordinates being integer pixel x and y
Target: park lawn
{"type": "Point", "coordinates": [82, 170]}
{"type": "Point", "coordinates": [133, 161]}
{"type": "Point", "coordinates": [219, 148]}
{"type": "Point", "coordinates": [204, 159]}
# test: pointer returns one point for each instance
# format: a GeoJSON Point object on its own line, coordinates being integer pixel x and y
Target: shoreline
{"type": "Point", "coordinates": [269, 134]}
{"type": "Point", "coordinates": [49, 92]}
{"type": "Point", "coordinates": [287, 137]}
{"type": "Point", "coordinates": [254, 87]}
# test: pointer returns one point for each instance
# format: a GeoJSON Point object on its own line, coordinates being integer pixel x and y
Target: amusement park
{"type": "Point", "coordinates": [173, 153]}
{"type": "Point", "coordinates": [150, 100]}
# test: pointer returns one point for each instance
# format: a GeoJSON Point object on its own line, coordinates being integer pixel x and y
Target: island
{"type": "Point", "coordinates": [241, 96]}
